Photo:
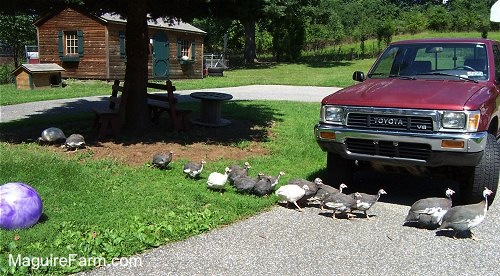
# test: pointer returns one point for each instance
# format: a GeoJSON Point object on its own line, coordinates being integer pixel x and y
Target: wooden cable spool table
{"type": "Point", "coordinates": [210, 113]}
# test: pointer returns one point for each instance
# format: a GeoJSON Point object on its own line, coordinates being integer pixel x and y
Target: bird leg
{"type": "Point", "coordinates": [350, 215]}
{"type": "Point", "coordinates": [367, 216]}
{"type": "Point", "coordinates": [474, 237]}
{"type": "Point", "coordinates": [300, 209]}
{"type": "Point", "coordinates": [333, 215]}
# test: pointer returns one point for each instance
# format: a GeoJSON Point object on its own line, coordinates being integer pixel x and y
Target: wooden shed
{"type": "Point", "coordinates": [35, 76]}
{"type": "Point", "coordinates": [93, 47]}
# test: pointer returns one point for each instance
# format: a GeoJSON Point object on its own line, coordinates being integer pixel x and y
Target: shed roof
{"type": "Point", "coordinates": [161, 23]}
{"type": "Point", "coordinates": [39, 68]}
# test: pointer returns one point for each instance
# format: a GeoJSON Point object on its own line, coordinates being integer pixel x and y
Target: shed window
{"type": "Point", "coordinates": [71, 40]}
{"type": "Point", "coordinates": [70, 45]}
{"type": "Point", "coordinates": [186, 48]}
{"type": "Point", "coordinates": [123, 41]}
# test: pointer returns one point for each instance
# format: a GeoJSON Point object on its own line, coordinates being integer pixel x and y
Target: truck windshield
{"type": "Point", "coordinates": [433, 60]}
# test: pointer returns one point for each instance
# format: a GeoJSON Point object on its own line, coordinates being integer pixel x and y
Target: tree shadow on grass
{"type": "Point", "coordinates": [250, 121]}
{"type": "Point", "coordinates": [320, 61]}
{"type": "Point", "coordinates": [327, 64]}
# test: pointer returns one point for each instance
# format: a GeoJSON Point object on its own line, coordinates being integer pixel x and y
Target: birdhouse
{"type": "Point", "coordinates": [36, 76]}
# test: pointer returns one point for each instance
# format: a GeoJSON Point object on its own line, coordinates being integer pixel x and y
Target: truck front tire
{"type": "Point", "coordinates": [485, 174]}
{"type": "Point", "coordinates": [339, 170]}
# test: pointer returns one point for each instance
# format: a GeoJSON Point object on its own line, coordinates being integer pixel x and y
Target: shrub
{"type": "Point", "coordinates": [6, 74]}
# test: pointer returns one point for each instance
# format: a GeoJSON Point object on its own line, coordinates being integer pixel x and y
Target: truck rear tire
{"type": "Point", "coordinates": [485, 174]}
{"type": "Point", "coordinates": [339, 170]}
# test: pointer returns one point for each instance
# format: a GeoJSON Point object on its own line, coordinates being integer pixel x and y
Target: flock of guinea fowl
{"type": "Point", "coordinates": [430, 213]}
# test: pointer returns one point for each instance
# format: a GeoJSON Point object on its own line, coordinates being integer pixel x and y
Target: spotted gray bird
{"type": "Point", "coordinates": [237, 171]}
{"type": "Point", "coordinates": [246, 184]}
{"type": "Point", "coordinates": [465, 217]}
{"type": "Point", "coordinates": [51, 135]}
{"type": "Point", "coordinates": [324, 191]}
{"type": "Point", "coordinates": [341, 203]}
{"type": "Point", "coordinates": [429, 212]}
{"type": "Point", "coordinates": [74, 142]}
{"type": "Point", "coordinates": [366, 201]}
{"type": "Point", "coordinates": [162, 159]}
{"type": "Point", "coordinates": [263, 186]}
{"type": "Point", "coordinates": [193, 169]}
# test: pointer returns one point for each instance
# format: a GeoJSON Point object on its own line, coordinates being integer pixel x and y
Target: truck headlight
{"type": "Point", "coordinates": [468, 120]}
{"type": "Point", "coordinates": [332, 114]}
{"type": "Point", "coordinates": [454, 120]}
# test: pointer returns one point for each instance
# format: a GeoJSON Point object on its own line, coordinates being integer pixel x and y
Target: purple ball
{"type": "Point", "coordinates": [20, 206]}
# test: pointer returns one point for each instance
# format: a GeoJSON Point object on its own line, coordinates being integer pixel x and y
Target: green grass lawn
{"type": "Point", "coordinates": [335, 74]}
{"type": "Point", "coordinates": [104, 208]}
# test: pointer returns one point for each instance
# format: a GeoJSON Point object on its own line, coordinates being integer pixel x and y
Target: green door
{"type": "Point", "coordinates": [161, 56]}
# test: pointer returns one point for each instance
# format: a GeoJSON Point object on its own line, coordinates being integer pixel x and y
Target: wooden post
{"type": "Point", "coordinates": [114, 94]}
{"type": "Point", "coordinates": [171, 103]}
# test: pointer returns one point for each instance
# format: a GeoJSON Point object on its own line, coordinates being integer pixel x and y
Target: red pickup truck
{"type": "Point", "coordinates": [427, 105]}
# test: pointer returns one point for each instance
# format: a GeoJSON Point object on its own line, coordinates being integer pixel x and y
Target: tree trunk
{"type": "Point", "coordinates": [16, 55]}
{"type": "Point", "coordinates": [250, 47]}
{"type": "Point", "coordinates": [136, 115]}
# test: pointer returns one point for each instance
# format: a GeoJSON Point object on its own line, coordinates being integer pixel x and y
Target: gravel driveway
{"type": "Point", "coordinates": [287, 242]}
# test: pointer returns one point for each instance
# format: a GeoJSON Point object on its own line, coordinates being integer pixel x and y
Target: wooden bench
{"type": "Point", "coordinates": [109, 120]}
{"type": "Point", "coordinates": [159, 103]}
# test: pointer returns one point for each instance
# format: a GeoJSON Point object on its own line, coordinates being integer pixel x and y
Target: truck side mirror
{"type": "Point", "coordinates": [358, 76]}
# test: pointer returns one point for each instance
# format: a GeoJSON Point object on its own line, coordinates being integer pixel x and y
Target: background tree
{"type": "Point", "coordinates": [247, 12]}
{"type": "Point", "coordinates": [288, 31]}
{"type": "Point", "coordinates": [438, 18]}
{"type": "Point", "coordinates": [17, 31]}
{"type": "Point", "coordinates": [323, 25]}
{"type": "Point", "coordinates": [216, 29]}
{"type": "Point", "coordinates": [413, 21]}
{"type": "Point", "coordinates": [384, 31]}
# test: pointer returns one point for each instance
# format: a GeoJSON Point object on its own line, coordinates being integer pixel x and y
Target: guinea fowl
{"type": "Point", "coordinates": [51, 135]}
{"type": "Point", "coordinates": [162, 159]}
{"type": "Point", "coordinates": [312, 187]}
{"type": "Point", "coordinates": [217, 180]}
{"type": "Point", "coordinates": [74, 142]}
{"type": "Point", "coordinates": [193, 169]}
{"type": "Point", "coordinates": [237, 171]}
{"type": "Point", "coordinates": [465, 217]}
{"type": "Point", "coordinates": [264, 186]}
{"type": "Point", "coordinates": [428, 212]}
{"type": "Point", "coordinates": [366, 201]}
{"type": "Point", "coordinates": [324, 191]}
{"type": "Point", "coordinates": [275, 180]}
{"type": "Point", "coordinates": [291, 193]}
{"type": "Point", "coordinates": [245, 184]}
{"type": "Point", "coordinates": [340, 202]}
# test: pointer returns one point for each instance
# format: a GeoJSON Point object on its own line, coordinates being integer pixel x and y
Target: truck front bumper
{"type": "Point", "coordinates": [402, 148]}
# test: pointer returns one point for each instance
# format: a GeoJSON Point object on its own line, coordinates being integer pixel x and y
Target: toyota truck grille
{"type": "Point", "coordinates": [390, 122]}
{"type": "Point", "coordinates": [389, 148]}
